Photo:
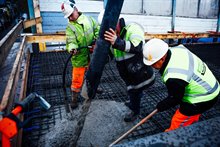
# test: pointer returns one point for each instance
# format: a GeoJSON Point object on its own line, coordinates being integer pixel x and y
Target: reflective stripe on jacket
{"type": "Point", "coordinates": [186, 66]}
{"type": "Point", "coordinates": [132, 70]}
{"type": "Point", "coordinates": [135, 34]}
{"type": "Point", "coordinates": [81, 32]}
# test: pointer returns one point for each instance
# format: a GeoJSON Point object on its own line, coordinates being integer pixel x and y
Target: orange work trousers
{"type": "Point", "coordinates": [77, 78]}
{"type": "Point", "coordinates": [179, 120]}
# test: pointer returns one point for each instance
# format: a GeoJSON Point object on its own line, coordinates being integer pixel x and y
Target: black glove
{"type": "Point", "coordinates": [162, 106]}
{"type": "Point", "coordinates": [119, 44]}
{"type": "Point", "coordinates": [74, 51]}
{"type": "Point", "coordinates": [167, 104]}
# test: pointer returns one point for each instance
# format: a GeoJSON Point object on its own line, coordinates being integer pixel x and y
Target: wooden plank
{"type": "Point", "coordinates": [37, 14]}
{"type": "Point", "coordinates": [22, 95]}
{"type": "Point", "coordinates": [7, 42]}
{"type": "Point", "coordinates": [46, 38]}
{"type": "Point", "coordinates": [42, 46]}
{"type": "Point", "coordinates": [24, 78]}
{"type": "Point", "coordinates": [60, 36]}
{"type": "Point", "coordinates": [10, 89]}
{"type": "Point", "coordinates": [31, 22]}
{"type": "Point", "coordinates": [176, 35]}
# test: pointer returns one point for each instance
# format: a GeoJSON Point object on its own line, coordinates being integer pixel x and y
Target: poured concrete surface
{"type": "Point", "coordinates": [205, 133]}
{"type": "Point", "coordinates": [104, 124]}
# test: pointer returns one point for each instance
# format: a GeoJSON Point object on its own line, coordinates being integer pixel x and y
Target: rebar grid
{"type": "Point", "coordinates": [45, 78]}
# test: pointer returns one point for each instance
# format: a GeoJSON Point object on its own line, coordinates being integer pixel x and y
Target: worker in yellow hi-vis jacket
{"type": "Point", "coordinates": [81, 31]}
{"type": "Point", "coordinates": [190, 83]}
{"type": "Point", "coordinates": [127, 44]}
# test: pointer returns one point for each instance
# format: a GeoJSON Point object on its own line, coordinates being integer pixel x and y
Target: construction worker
{"type": "Point", "coordinates": [189, 81]}
{"type": "Point", "coordinates": [81, 32]}
{"type": "Point", "coordinates": [127, 43]}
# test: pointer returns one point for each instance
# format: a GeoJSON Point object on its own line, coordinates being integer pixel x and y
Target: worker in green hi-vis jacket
{"type": "Point", "coordinates": [81, 31]}
{"type": "Point", "coordinates": [127, 46]}
{"type": "Point", "coordinates": [189, 81]}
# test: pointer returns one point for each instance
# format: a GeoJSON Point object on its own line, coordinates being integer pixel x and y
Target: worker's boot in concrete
{"type": "Point", "coordinates": [134, 105]}
{"type": "Point", "coordinates": [128, 104]}
{"type": "Point", "coordinates": [74, 100]}
{"type": "Point", "coordinates": [99, 90]}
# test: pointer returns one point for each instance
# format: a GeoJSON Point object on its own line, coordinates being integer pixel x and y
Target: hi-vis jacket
{"type": "Point", "coordinates": [202, 86]}
{"type": "Point", "coordinates": [79, 33]}
{"type": "Point", "coordinates": [134, 34]}
{"type": "Point", "coordinates": [130, 61]}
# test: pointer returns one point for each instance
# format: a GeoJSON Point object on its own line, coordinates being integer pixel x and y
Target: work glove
{"type": "Point", "coordinates": [167, 103]}
{"type": "Point", "coordinates": [119, 44]}
{"type": "Point", "coordinates": [74, 51]}
{"type": "Point", "coordinates": [91, 48]}
{"type": "Point", "coordinates": [162, 106]}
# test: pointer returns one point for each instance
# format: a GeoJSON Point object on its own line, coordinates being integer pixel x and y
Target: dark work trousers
{"type": "Point", "coordinates": [135, 100]}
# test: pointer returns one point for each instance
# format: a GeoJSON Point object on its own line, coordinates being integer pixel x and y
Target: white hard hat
{"type": "Point", "coordinates": [154, 50]}
{"type": "Point", "coordinates": [67, 8]}
{"type": "Point", "coordinates": [100, 17]}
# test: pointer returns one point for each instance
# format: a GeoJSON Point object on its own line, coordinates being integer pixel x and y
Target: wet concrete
{"type": "Point", "coordinates": [104, 123]}
{"type": "Point", "coordinates": [205, 133]}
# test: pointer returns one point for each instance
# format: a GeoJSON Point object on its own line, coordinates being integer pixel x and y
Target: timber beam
{"type": "Point", "coordinates": [32, 22]}
{"type": "Point", "coordinates": [60, 36]}
{"type": "Point", "coordinates": [7, 42]}
{"type": "Point", "coordinates": [8, 97]}
{"type": "Point", "coordinates": [38, 38]}
{"type": "Point", "coordinates": [180, 35]}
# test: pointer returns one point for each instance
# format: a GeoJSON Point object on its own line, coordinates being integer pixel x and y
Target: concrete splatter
{"type": "Point", "coordinates": [104, 124]}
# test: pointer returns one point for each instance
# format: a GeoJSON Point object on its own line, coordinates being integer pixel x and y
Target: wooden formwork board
{"type": "Point", "coordinates": [22, 95]}
{"type": "Point", "coordinates": [10, 90]}
{"type": "Point", "coordinates": [42, 46]}
{"type": "Point", "coordinates": [7, 42]}
{"type": "Point", "coordinates": [31, 22]}
{"type": "Point", "coordinates": [8, 97]}
{"type": "Point", "coordinates": [60, 36]}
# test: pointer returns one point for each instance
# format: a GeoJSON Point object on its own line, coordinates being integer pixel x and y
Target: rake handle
{"type": "Point", "coordinates": [133, 128]}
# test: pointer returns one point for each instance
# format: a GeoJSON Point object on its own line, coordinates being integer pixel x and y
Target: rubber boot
{"type": "Point", "coordinates": [99, 90]}
{"type": "Point", "coordinates": [134, 105]}
{"type": "Point", "coordinates": [128, 104]}
{"type": "Point", "coordinates": [74, 104]}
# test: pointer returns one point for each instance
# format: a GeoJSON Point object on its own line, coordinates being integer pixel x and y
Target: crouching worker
{"type": "Point", "coordinates": [81, 31]}
{"type": "Point", "coordinates": [189, 81]}
{"type": "Point", "coordinates": [127, 43]}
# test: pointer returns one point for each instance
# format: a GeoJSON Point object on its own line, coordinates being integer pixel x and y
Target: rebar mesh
{"type": "Point", "coordinates": [45, 78]}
